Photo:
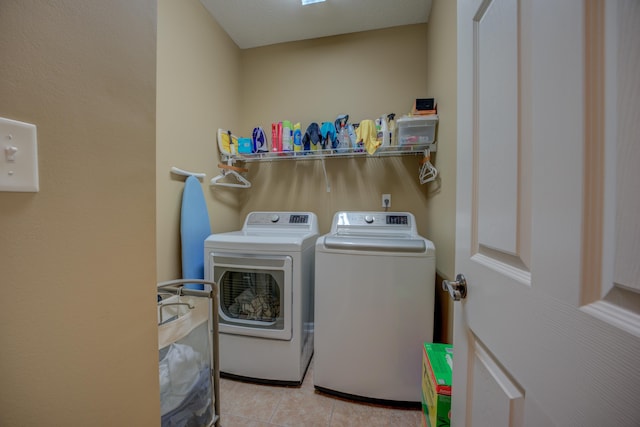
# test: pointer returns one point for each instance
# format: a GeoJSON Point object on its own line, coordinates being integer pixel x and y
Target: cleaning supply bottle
{"type": "Point", "coordinates": [392, 128]}
{"type": "Point", "coordinates": [275, 147]}
{"type": "Point", "coordinates": [384, 130]}
{"type": "Point", "coordinates": [297, 137]}
{"type": "Point", "coordinates": [352, 134]}
{"type": "Point", "coordinates": [344, 141]}
{"type": "Point", "coordinates": [287, 136]}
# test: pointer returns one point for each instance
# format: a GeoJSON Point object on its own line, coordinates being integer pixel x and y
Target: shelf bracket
{"type": "Point", "coordinates": [326, 178]}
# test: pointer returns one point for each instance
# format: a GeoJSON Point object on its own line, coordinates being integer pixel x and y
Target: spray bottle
{"type": "Point", "coordinates": [391, 119]}
{"type": "Point", "coordinates": [344, 141]}
{"type": "Point", "coordinates": [384, 129]}
{"type": "Point", "coordinates": [342, 131]}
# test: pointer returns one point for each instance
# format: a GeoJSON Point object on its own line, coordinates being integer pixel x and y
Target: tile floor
{"type": "Point", "coordinates": [251, 405]}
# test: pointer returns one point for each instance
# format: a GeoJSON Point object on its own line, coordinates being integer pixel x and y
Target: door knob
{"type": "Point", "coordinates": [458, 289]}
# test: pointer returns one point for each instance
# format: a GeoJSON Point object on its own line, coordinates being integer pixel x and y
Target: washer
{"type": "Point", "coordinates": [265, 273]}
{"type": "Point", "coordinates": [374, 296]}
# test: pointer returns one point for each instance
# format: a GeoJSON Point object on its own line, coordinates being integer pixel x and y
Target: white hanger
{"type": "Point", "coordinates": [428, 172]}
{"type": "Point", "coordinates": [233, 171]}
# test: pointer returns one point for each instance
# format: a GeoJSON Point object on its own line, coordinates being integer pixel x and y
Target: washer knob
{"type": "Point", "coordinates": [368, 219]}
{"type": "Point", "coordinates": [275, 218]}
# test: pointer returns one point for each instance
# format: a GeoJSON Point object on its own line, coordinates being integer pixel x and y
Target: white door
{"type": "Point", "coordinates": [548, 214]}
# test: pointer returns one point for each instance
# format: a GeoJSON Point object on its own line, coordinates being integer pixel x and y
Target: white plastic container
{"type": "Point", "coordinates": [416, 130]}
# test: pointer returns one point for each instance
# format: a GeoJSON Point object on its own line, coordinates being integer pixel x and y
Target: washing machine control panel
{"type": "Point", "coordinates": [378, 220]}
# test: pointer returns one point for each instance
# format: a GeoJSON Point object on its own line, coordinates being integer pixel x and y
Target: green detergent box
{"type": "Point", "coordinates": [437, 362]}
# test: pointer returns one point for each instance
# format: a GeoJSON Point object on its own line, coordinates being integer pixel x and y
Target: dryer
{"type": "Point", "coordinates": [265, 274]}
{"type": "Point", "coordinates": [374, 299]}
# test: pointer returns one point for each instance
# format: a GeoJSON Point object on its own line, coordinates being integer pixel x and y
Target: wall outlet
{"type": "Point", "coordinates": [386, 201]}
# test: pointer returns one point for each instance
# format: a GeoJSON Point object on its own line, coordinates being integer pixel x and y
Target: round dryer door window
{"type": "Point", "coordinates": [250, 296]}
{"type": "Point", "coordinates": [255, 295]}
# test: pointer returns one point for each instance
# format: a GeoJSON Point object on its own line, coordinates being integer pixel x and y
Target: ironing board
{"type": "Point", "coordinates": [194, 229]}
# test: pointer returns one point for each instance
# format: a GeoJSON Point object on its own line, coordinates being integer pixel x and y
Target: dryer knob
{"type": "Point", "coordinates": [275, 218]}
{"type": "Point", "coordinates": [368, 219]}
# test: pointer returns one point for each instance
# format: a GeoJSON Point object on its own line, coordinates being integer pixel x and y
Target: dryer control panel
{"type": "Point", "coordinates": [305, 220]}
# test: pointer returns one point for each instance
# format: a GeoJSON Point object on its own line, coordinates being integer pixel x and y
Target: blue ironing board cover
{"type": "Point", "coordinates": [194, 229]}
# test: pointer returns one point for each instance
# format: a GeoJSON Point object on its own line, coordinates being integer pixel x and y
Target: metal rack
{"type": "Point", "coordinates": [176, 287]}
{"type": "Point", "coordinates": [388, 151]}
{"type": "Point", "coordinates": [332, 153]}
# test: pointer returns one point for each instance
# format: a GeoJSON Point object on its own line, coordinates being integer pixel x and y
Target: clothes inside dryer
{"type": "Point", "coordinates": [251, 297]}
{"type": "Point", "coordinates": [255, 294]}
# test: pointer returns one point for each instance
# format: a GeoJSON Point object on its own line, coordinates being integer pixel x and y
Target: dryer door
{"type": "Point", "coordinates": [255, 294]}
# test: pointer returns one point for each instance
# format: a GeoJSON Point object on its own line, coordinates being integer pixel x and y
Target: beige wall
{"type": "Point", "coordinates": [441, 78]}
{"type": "Point", "coordinates": [198, 90]}
{"type": "Point", "coordinates": [77, 260]}
{"type": "Point", "coordinates": [441, 75]}
{"type": "Point", "coordinates": [364, 75]}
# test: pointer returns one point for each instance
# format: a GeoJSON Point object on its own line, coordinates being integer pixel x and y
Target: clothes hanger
{"type": "Point", "coordinates": [234, 171]}
{"type": "Point", "coordinates": [428, 172]}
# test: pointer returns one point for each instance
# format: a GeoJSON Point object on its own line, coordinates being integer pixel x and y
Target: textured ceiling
{"type": "Point", "coordinates": [253, 23]}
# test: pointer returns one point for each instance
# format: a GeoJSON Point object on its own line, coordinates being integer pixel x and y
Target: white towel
{"type": "Point", "coordinates": [179, 370]}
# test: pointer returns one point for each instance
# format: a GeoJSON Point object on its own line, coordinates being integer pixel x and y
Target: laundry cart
{"type": "Point", "coordinates": [188, 354]}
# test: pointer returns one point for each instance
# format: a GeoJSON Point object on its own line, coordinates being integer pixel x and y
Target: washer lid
{"type": "Point", "coordinates": [375, 243]}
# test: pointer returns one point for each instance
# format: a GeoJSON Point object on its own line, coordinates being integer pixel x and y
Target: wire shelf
{"type": "Point", "coordinates": [333, 153]}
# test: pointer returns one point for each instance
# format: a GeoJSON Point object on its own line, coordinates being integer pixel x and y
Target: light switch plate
{"type": "Point", "coordinates": [18, 156]}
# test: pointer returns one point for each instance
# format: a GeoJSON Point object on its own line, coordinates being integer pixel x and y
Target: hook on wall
{"type": "Point", "coordinates": [183, 172]}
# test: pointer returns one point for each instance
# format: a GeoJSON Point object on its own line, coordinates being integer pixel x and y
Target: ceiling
{"type": "Point", "coordinates": [254, 23]}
